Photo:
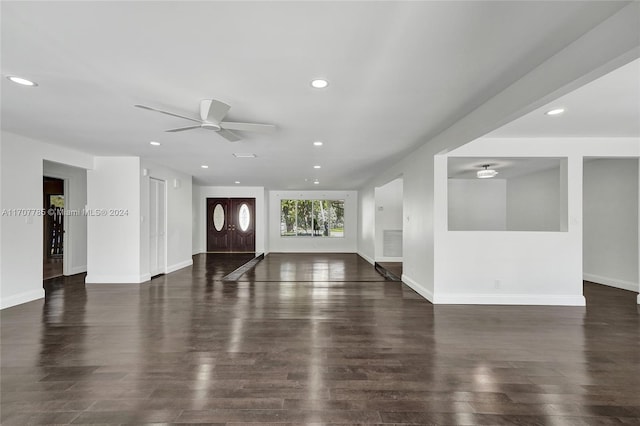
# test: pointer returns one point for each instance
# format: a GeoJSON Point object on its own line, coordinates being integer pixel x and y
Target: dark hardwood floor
{"type": "Point", "coordinates": [306, 339]}
{"type": "Point", "coordinates": [51, 267]}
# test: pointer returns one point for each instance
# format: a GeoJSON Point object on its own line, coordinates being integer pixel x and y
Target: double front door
{"type": "Point", "coordinates": [231, 224]}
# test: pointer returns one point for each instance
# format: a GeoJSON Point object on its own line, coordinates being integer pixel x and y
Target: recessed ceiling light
{"type": "Point", "coordinates": [556, 111]}
{"type": "Point", "coordinates": [21, 81]}
{"type": "Point", "coordinates": [319, 83]}
{"type": "Point", "coordinates": [316, 182]}
{"type": "Point", "coordinates": [204, 166]}
{"type": "Point", "coordinates": [318, 143]}
{"type": "Point", "coordinates": [244, 155]}
{"type": "Point", "coordinates": [317, 167]}
{"type": "Point", "coordinates": [154, 143]}
{"type": "Point", "coordinates": [237, 182]}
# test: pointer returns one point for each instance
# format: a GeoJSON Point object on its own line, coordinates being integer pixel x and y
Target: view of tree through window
{"type": "Point", "coordinates": [312, 218]}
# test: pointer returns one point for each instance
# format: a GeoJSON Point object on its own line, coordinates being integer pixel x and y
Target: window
{"type": "Point", "coordinates": [312, 218]}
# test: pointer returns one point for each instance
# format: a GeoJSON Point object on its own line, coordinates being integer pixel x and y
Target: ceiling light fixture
{"type": "Point", "coordinates": [317, 143]}
{"type": "Point", "coordinates": [556, 111]}
{"type": "Point", "coordinates": [21, 81]}
{"type": "Point", "coordinates": [237, 182]}
{"type": "Point", "coordinates": [154, 143]}
{"type": "Point", "coordinates": [204, 166]}
{"type": "Point", "coordinates": [317, 167]}
{"type": "Point", "coordinates": [319, 83]}
{"type": "Point", "coordinates": [244, 155]}
{"type": "Point", "coordinates": [316, 182]}
{"type": "Point", "coordinates": [486, 173]}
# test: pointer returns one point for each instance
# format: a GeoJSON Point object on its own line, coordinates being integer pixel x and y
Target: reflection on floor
{"type": "Point", "coordinates": [52, 267]}
{"type": "Point", "coordinates": [323, 339]}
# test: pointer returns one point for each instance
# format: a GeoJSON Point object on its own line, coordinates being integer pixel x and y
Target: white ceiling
{"type": "Point", "coordinates": [608, 106]}
{"type": "Point", "coordinates": [399, 72]}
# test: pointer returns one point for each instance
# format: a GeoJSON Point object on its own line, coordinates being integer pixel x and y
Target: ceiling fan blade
{"type": "Point", "coordinates": [248, 127]}
{"type": "Point", "coordinates": [166, 112]}
{"type": "Point", "coordinates": [231, 137]}
{"type": "Point", "coordinates": [181, 129]}
{"type": "Point", "coordinates": [212, 110]}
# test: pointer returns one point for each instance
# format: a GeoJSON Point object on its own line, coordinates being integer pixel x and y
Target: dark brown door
{"type": "Point", "coordinates": [231, 224]}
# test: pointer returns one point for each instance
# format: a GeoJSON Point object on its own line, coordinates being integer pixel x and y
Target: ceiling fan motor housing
{"type": "Point", "coordinates": [210, 126]}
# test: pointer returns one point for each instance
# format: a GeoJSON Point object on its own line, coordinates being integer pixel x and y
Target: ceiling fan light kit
{"type": "Point", "coordinates": [212, 112]}
{"type": "Point", "coordinates": [486, 173]}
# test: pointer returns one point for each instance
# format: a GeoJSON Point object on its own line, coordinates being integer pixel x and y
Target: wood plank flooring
{"type": "Point", "coordinates": [312, 339]}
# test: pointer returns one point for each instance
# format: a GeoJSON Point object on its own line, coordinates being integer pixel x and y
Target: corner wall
{"type": "Point", "coordinates": [113, 236]}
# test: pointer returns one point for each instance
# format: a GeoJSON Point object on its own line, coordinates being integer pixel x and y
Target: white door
{"type": "Point", "coordinates": [157, 223]}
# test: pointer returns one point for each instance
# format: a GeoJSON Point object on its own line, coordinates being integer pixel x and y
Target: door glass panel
{"type": "Point", "coordinates": [244, 217]}
{"type": "Point", "coordinates": [218, 217]}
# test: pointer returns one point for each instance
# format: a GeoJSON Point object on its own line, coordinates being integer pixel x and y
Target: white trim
{"type": "Point", "coordinates": [179, 265]}
{"type": "Point", "coordinates": [116, 279]}
{"type": "Point", "coordinates": [611, 282]}
{"type": "Point", "coordinates": [418, 288]}
{"type": "Point", "coordinates": [510, 299]}
{"type": "Point", "coordinates": [21, 298]}
{"type": "Point", "coordinates": [365, 257]}
{"type": "Point", "coordinates": [77, 270]}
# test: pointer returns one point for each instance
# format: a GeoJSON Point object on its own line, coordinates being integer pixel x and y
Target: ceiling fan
{"type": "Point", "coordinates": [211, 114]}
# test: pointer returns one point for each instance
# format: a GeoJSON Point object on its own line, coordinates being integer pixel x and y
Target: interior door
{"type": "Point", "coordinates": [157, 225]}
{"type": "Point", "coordinates": [218, 226]}
{"type": "Point", "coordinates": [231, 225]}
{"type": "Point", "coordinates": [243, 234]}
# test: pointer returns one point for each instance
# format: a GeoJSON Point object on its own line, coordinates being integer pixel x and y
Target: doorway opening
{"type": "Point", "coordinates": [53, 204]}
{"type": "Point", "coordinates": [231, 225]}
{"type": "Point", "coordinates": [610, 223]}
{"type": "Point", "coordinates": [389, 229]}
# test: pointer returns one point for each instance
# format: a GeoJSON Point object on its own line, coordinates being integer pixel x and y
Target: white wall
{"type": "Point", "coordinates": [75, 226]}
{"type": "Point", "coordinates": [113, 241]}
{"type": "Point", "coordinates": [200, 200]}
{"type": "Point", "coordinates": [477, 204]}
{"type": "Point", "coordinates": [347, 244]}
{"type": "Point", "coordinates": [609, 45]}
{"type": "Point", "coordinates": [417, 209]}
{"type": "Point", "coordinates": [179, 219]}
{"type": "Point", "coordinates": [388, 216]}
{"type": "Point", "coordinates": [518, 267]}
{"type": "Point", "coordinates": [534, 201]}
{"type": "Point", "coordinates": [196, 217]}
{"type": "Point", "coordinates": [21, 188]}
{"type": "Point", "coordinates": [611, 222]}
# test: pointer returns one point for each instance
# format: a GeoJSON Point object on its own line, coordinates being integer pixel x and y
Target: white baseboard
{"type": "Point", "coordinates": [179, 265]}
{"type": "Point", "coordinates": [389, 259]}
{"type": "Point", "coordinates": [367, 258]}
{"type": "Point", "coordinates": [611, 282]}
{"type": "Point", "coordinates": [116, 279]}
{"type": "Point", "coordinates": [78, 270]}
{"type": "Point", "coordinates": [19, 299]}
{"type": "Point", "coordinates": [509, 299]}
{"type": "Point", "coordinates": [426, 293]}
